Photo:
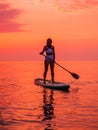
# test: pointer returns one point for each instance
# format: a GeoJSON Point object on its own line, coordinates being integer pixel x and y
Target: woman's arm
{"type": "Point", "coordinates": [42, 50]}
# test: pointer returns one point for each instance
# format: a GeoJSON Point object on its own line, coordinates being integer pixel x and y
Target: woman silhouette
{"type": "Point", "coordinates": [49, 59]}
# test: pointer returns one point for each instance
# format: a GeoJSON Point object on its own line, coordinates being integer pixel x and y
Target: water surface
{"type": "Point", "coordinates": [23, 105]}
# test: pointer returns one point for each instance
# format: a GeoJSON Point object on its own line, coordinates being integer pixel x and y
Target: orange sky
{"type": "Point", "coordinates": [26, 24]}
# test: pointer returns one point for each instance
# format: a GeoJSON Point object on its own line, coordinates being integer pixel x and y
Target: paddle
{"type": "Point", "coordinates": [74, 75]}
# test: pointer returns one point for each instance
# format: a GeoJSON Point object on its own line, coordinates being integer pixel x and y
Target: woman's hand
{"type": "Point", "coordinates": [40, 53]}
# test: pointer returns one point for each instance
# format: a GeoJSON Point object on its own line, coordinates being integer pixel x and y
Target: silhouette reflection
{"type": "Point", "coordinates": [48, 107]}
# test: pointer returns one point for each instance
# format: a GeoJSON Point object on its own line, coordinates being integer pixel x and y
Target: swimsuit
{"type": "Point", "coordinates": [49, 54]}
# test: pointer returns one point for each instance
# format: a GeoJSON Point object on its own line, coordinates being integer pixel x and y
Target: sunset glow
{"type": "Point", "coordinates": [25, 25]}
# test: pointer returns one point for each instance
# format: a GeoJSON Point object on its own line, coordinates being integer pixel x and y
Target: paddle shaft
{"type": "Point", "coordinates": [73, 74]}
{"type": "Point", "coordinates": [58, 64]}
{"type": "Point", "coordinates": [62, 67]}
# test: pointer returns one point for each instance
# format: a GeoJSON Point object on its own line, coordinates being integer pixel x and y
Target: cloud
{"type": "Point", "coordinates": [7, 18]}
{"type": "Point", "coordinates": [70, 5]}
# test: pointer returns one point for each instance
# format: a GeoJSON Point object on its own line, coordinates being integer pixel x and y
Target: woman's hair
{"type": "Point", "coordinates": [49, 40]}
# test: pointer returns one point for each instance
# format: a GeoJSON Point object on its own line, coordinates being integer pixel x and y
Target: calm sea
{"type": "Point", "coordinates": [25, 106]}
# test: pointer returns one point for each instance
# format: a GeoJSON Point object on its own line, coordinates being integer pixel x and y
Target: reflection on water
{"type": "Point", "coordinates": [25, 106]}
{"type": "Point", "coordinates": [48, 107]}
{"type": "Point", "coordinates": [1, 119]}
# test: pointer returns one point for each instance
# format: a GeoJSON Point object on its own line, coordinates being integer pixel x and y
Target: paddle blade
{"type": "Point", "coordinates": [75, 75]}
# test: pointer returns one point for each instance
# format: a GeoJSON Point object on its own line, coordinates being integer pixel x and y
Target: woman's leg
{"type": "Point", "coordinates": [46, 63]}
{"type": "Point", "coordinates": [52, 70]}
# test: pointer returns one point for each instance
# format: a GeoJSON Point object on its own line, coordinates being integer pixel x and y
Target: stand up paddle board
{"type": "Point", "coordinates": [49, 84]}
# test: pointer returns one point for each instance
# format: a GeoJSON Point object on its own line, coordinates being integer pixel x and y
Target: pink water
{"type": "Point", "coordinates": [25, 106]}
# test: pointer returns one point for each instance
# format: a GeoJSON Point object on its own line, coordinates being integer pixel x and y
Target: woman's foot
{"type": "Point", "coordinates": [44, 82]}
{"type": "Point", "coordinates": [52, 81]}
